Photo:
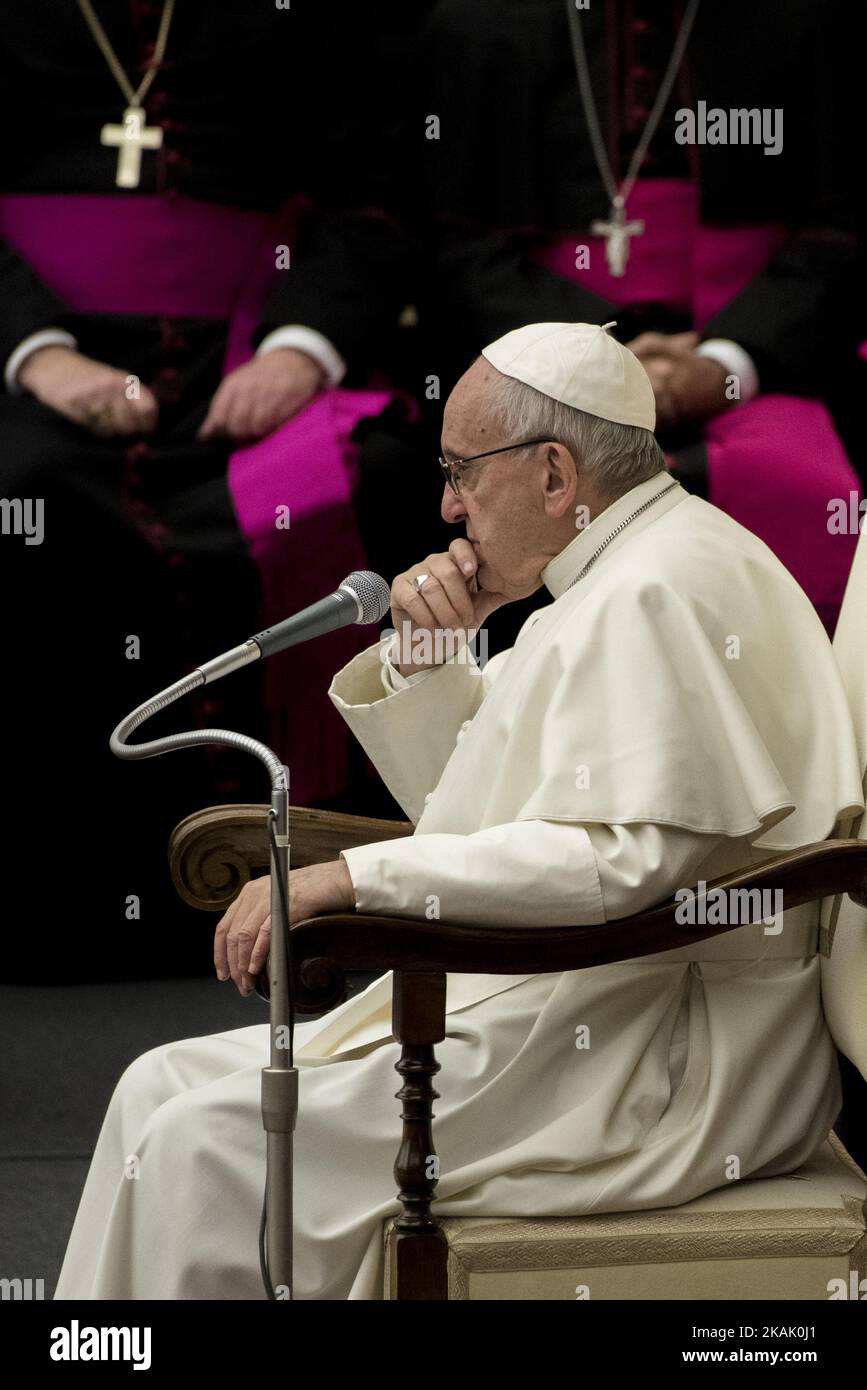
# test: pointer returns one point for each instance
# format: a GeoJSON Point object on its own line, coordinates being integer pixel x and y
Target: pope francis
{"type": "Point", "coordinates": [673, 714]}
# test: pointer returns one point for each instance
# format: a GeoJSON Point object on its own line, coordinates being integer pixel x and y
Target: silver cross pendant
{"type": "Point", "coordinates": [617, 232]}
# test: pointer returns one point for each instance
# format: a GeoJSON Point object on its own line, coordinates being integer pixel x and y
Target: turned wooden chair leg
{"type": "Point", "coordinates": [419, 1250]}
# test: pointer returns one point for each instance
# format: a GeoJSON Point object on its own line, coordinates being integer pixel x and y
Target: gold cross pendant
{"type": "Point", "coordinates": [130, 139]}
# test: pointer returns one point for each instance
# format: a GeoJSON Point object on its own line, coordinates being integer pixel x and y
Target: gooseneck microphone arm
{"type": "Point", "coordinates": [280, 1077]}
{"type": "Point", "coordinates": [363, 597]}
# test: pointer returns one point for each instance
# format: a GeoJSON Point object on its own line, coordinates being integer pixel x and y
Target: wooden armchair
{"type": "Point", "coordinates": [214, 852]}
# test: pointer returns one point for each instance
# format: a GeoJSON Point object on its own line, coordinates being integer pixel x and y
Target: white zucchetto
{"type": "Point", "coordinates": [581, 365]}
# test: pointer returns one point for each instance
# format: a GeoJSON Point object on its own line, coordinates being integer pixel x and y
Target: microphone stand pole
{"type": "Point", "coordinates": [280, 1077]}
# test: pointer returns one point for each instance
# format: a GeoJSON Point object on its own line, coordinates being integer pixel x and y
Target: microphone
{"type": "Point", "coordinates": [363, 597]}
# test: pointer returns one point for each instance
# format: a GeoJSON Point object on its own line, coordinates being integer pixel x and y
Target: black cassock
{"type": "Point", "coordinates": [513, 165]}
{"type": "Point", "coordinates": [141, 538]}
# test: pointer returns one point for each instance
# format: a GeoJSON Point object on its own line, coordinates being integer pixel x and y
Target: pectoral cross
{"type": "Point", "coordinates": [617, 232]}
{"type": "Point", "coordinates": [131, 138]}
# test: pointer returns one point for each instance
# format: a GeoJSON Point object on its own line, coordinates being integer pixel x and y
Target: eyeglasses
{"type": "Point", "coordinates": [452, 470]}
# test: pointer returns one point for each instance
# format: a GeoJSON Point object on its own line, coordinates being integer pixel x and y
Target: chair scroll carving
{"type": "Point", "coordinates": [214, 852]}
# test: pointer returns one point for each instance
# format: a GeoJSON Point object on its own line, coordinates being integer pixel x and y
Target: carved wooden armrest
{"type": "Point", "coordinates": [214, 852]}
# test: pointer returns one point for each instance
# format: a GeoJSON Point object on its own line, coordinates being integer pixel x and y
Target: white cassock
{"type": "Point", "coordinates": [674, 715]}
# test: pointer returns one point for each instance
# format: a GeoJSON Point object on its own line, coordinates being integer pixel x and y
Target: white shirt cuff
{"type": "Point", "coordinates": [736, 361]}
{"type": "Point", "coordinates": [46, 337]}
{"type": "Point", "coordinates": [316, 345]}
{"type": "Point", "coordinates": [394, 680]}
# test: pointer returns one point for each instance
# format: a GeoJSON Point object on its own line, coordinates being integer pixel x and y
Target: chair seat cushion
{"type": "Point", "coordinates": [799, 1236]}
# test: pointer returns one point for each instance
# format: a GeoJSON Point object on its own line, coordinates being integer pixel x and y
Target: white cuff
{"type": "Point", "coordinates": [736, 361]}
{"type": "Point", "coordinates": [394, 680]}
{"type": "Point", "coordinates": [316, 345]}
{"type": "Point", "coordinates": [46, 337]}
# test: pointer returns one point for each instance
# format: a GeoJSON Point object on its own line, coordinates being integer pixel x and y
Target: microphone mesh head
{"type": "Point", "coordinates": [372, 592]}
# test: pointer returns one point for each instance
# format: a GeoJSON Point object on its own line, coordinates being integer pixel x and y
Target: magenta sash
{"type": "Point", "coordinates": [774, 463]}
{"type": "Point", "coordinates": [180, 257]}
{"type": "Point", "coordinates": [141, 255]}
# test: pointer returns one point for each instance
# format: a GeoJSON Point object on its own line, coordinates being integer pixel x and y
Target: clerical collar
{"type": "Point", "coordinates": [560, 572]}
